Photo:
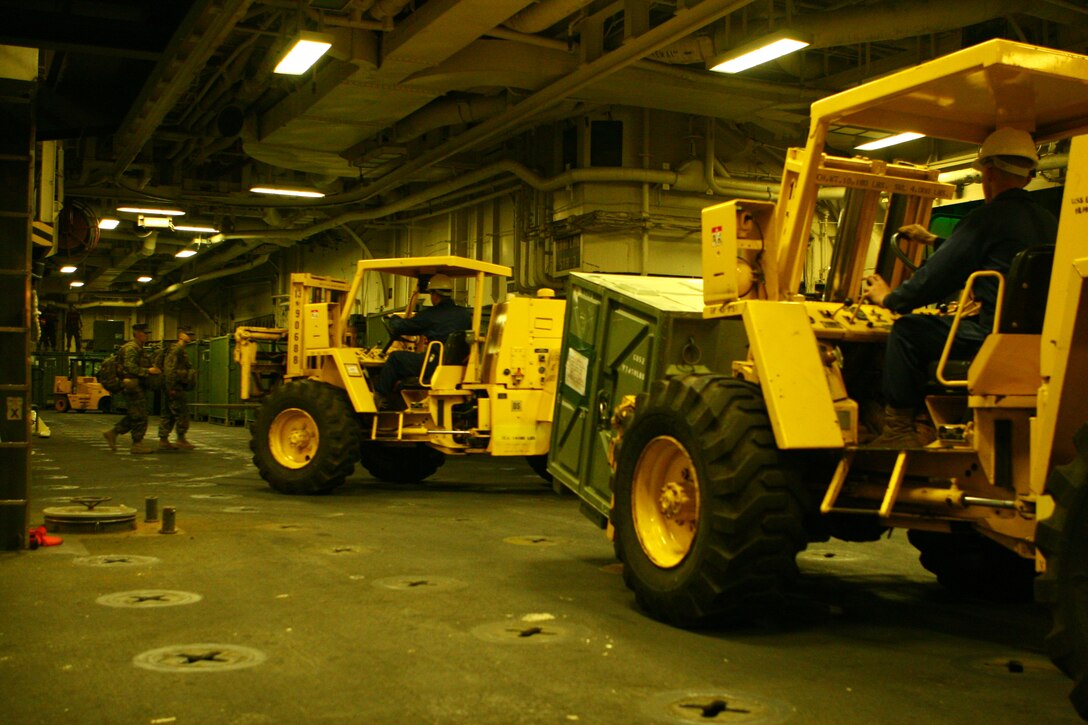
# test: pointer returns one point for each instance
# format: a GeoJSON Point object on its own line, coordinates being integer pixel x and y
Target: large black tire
{"type": "Point", "coordinates": [105, 404]}
{"type": "Point", "coordinates": [400, 463]}
{"type": "Point", "coordinates": [709, 515]}
{"type": "Point", "coordinates": [305, 439]}
{"type": "Point", "coordinates": [968, 563]}
{"type": "Point", "coordinates": [62, 405]}
{"type": "Point", "coordinates": [539, 464]}
{"type": "Point", "coordinates": [1063, 539]}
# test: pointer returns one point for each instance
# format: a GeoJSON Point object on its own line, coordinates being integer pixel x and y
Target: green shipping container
{"type": "Point", "coordinates": [621, 334]}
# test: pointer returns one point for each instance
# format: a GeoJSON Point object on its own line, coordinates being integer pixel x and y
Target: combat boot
{"type": "Point", "coordinates": [900, 432]}
{"type": "Point", "coordinates": [166, 445]}
{"type": "Point", "coordinates": [111, 438]}
{"type": "Point", "coordinates": [139, 447]}
{"type": "Point", "coordinates": [184, 445]}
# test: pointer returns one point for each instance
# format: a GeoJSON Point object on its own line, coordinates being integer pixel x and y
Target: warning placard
{"type": "Point", "coordinates": [14, 408]}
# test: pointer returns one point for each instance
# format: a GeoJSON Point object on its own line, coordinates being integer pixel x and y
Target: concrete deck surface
{"type": "Point", "coordinates": [478, 596]}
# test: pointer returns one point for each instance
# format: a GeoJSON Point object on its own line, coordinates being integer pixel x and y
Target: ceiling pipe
{"type": "Point", "coordinates": [686, 179]}
{"type": "Point", "coordinates": [448, 113]}
{"type": "Point", "coordinates": [960, 177]}
{"type": "Point", "coordinates": [151, 241]}
{"type": "Point", "coordinates": [147, 247]}
{"type": "Point", "coordinates": [550, 43]}
{"type": "Point", "coordinates": [727, 187]}
{"type": "Point", "coordinates": [184, 284]}
{"type": "Point", "coordinates": [679, 26]}
{"type": "Point", "coordinates": [109, 303]}
{"type": "Point", "coordinates": [178, 287]}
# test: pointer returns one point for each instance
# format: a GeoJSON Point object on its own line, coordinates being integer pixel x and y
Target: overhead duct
{"type": "Point", "coordinates": [593, 72]}
{"type": "Point", "coordinates": [689, 178]}
{"type": "Point", "coordinates": [448, 113]}
{"type": "Point", "coordinates": [178, 287]}
{"type": "Point", "coordinates": [109, 303]}
{"type": "Point", "coordinates": [184, 284]}
{"type": "Point", "coordinates": [972, 176]}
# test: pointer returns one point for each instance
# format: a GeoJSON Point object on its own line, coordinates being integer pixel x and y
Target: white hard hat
{"type": "Point", "coordinates": [440, 283]}
{"type": "Point", "coordinates": [1009, 149]}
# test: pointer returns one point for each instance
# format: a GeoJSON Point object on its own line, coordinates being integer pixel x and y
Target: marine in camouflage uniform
{"type": "Point", "coordinates": [138, 372]}
{"type": "Point", "coordinates": [177, 379]}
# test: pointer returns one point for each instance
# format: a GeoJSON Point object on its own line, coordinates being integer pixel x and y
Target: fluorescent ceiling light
{"type": "Point", "coordinates": [143, 278]}
{"type": "Point", "coordinates": [286, 192]}
{"type": "Point", "coordinates": [195, 228]}
{"type": "Point", "coordinates": [108, 223]}
{"type": "Point", "coordinates": [889, 141]}
{"type": "Point", "coordinates": [75, 283]}
{"type": "Point", "coordinates": [185, 253]}
{"type": "Point", "coordinates": [151, 211]}
{"type": "Point", "coordinates": [766, 52]}
{"type": "Point", "coordinates": [68, 269]}
{"type": "Point", "coordinates": [304, 53]}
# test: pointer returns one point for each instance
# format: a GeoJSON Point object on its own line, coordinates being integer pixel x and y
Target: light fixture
{"type": "Point", "coordinates": [888, 141]}
{"type": "Point", "coordinates": [68, 269]}
{"type": "Point", "coordinates": [761, 51]}
{"type": "Point", "coordinates": [75, 283]}
{"type": "Point", "coordinates": [150, 211]}
{"type": "Point", "coordinates": [187, 252]}
{"type": "Point", "coordinates": [196, 228]}
{"type": "Point", "coordinates": [305, 51]}
{"type": "Point", "coordinates": [108, 223]}
{"type": "Point", "coordinates": [144, 278]}
{"type": "Point", "coordinates": [155, 222]}
{"type": "Point", "coordinates": [286, 192]}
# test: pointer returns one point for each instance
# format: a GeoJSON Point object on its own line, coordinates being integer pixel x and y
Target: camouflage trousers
{"type": "Point", "coordinates": [135, 419]}
{"type": "Point", "coordinates": [175, 411]}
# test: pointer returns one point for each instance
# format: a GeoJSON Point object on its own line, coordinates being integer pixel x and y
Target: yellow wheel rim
{"type": "Point", "coordinates": [665, 501]}
{"type": "Point", "coordinates": [293, 438]}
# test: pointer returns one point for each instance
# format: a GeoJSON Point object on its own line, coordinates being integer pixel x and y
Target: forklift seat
{"type": "Point", "coordinates": [1023, 308]}
{"type": "Point", "coordinates": [455, 351]}
{"type": "Point", "coordinates": [1026, 288]}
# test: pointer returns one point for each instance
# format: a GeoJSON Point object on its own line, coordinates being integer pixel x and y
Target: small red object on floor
{"type": "Point", "coordinates": [39, 537]}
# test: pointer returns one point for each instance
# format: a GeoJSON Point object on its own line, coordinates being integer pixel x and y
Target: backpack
{"type": "Point", "coordinates": [158, 360]}
{"type": "Point", "coordinates": [109, 373]}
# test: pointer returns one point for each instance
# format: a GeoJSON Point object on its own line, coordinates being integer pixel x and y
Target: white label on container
{"type": "Point", "coordinates": [577, 368]}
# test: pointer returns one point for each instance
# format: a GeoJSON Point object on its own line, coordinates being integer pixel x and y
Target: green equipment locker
{"type": "Point", "coordinates": [218, 377]}
{"type": "Point", "coordinates": [44, 369]}
{"type": "Point", "coordinates": [621, 334]}
{"type": "Point", "coordinates": [199, 357]}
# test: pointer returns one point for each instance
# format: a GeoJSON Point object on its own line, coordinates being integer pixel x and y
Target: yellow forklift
{"type": "Point", "coordinates": [485, 391]}
{"type": "Point", "coordinates": [80, 392]}
{"type": "Point", "coordinates": [721, 478]}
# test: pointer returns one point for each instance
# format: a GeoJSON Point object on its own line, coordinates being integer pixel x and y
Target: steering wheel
{"type": "Point", "coordinates": [893, 244]}
{"type": "Point", "coordinates": [387, 323]}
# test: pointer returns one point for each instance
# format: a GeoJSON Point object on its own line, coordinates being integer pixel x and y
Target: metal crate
{"type": "Point", "coordinates": [621, 334]}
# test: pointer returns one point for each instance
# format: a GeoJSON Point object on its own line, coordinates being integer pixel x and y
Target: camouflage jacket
{"type": "Point", "coordinates": [177, 370]}
{"type": "Point", "coordinates": [135, 360]}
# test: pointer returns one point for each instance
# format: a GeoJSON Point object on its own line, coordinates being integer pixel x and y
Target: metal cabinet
{"type": "Point", "coordinates": [621, 334]}
{"type": "Point", "coordinates": [216, 397]}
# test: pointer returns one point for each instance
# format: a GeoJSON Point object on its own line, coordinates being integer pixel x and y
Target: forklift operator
{"type": "Point", "coordinates": [436, 322]}
{"type": "Point", "coordinates": [986, 239]}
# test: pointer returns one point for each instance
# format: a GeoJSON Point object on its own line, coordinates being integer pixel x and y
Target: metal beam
{"type": "Point", "coordinates": [202, 31]}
